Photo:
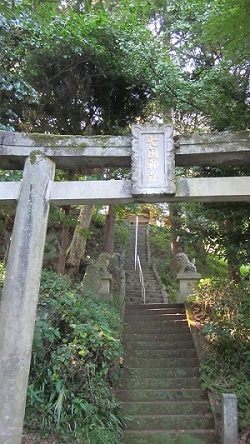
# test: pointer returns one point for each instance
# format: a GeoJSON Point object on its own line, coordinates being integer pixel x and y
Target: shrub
{"type": "Point", "coordinates": [2, 276]}
{"type": "Point", "coordinates": [74, 369]}
{"type": "Point", "coordinates": [223, 310]}
{"type": "Point", "coordinates": [160, 247]}
{"type": "Point", "coordinates": [121, 235]}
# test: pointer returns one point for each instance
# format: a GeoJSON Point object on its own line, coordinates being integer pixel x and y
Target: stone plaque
{"type": "Point", "coordinates": [153, 160]}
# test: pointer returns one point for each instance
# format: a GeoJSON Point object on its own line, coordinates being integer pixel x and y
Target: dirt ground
{"type": "Point", "coordinates": [31, 439]}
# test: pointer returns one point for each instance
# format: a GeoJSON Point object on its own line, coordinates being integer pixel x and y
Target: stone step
{"type": "Point", "coordinates": [161, 389]}
{"type": "Point", "coordinates": [171, 422]}
{"type": "Point", "coordinates": [170, 319]}
{"type": "Point", "coordinates": [151, 290]}
{"type": "Point", "coordinates": [154, 311]}
{"type": "Point", "coordinates": [151, 296]}
{"type": "Point", "coordinates": [154, 314]}
{"type": "Point", "coordinates": [182, 321]}
{"type": "Point", "coordinates": [147, 271]}
{"type": "Point", "coordinates": [149, 317]}
{"type": "Point", "coordinates": [152, 372]}
{"type": "Point", "coordinates": [154, 395]}
{"type": "Point", "coordinates": [158, 307]}
{"type": "Point", "coordinates": [159, 345]}
{"type": "Point", "coordinates": [161, 362]}
{"type": "Point", "coordinates": [167, 337]}
{"type": "Point", "coordinates": [166, 408]}
{"type": "Point", "coordinates": [157, 297]}
{"type": "Point", "coordinates": [171, 437]}
{"type": "Point", "coordinates": [160, 354]}
{"type": "Point", "coordinates": [134, 298]}
{"type": "Point", "coordinates": [134, 277]}
{"type": "Point", "coordinates": [170, 327]}
{"type": "Point", "coordinates": [160, 383]}
{"type": "Point", "coordinates": [148, 280]}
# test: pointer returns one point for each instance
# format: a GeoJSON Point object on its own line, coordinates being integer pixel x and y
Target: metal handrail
{"type": "Point", "coordinates": [136, 240]}
{"type": "Point", "coordinates": [137, 261]}
{"type": "Point", "coordinates": [141, 277]}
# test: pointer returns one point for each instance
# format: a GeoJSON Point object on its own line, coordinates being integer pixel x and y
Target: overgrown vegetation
{"type": "Point", "coordinates": [222, 310]}
{"type": "Point", "coordinates": [160, 247]}
{"type": "Point", "coordinates": [209, 265]}
{"type": "Point", "coordinates": [2, 276]}
{"type": "Point", "coordinates": [75, 366]}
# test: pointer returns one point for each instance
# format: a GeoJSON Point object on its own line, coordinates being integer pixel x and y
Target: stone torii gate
{"type": "Point", "coordinates": [152, 155]}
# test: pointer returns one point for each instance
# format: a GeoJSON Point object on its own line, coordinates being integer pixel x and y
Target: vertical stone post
{"type": "Point", "coordinates": [229, 419]}
{"type": "Point", "coordinates": [20, 294]}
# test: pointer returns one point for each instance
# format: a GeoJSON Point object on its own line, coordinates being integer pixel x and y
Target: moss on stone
{"type": "Point", "coordinates": [33, 155]}
{"type": "Point", "coordinates": [57, 140]}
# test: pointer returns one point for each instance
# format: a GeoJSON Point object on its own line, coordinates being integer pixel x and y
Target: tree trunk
{"type": "Point", "coordinates": [64, 244]}
{"type": "Point", "coordinates": [77, 247]}
{"type": "Point", "coordinates": [233, 271]}
{"type": "Point", "coordinates": [109, 232]}
{"type": "Point", "coordinates": [231, 255]}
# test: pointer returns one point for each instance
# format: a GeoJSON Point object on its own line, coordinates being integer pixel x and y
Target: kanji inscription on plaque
{"type": "Point", "coordinates": [153, 160]}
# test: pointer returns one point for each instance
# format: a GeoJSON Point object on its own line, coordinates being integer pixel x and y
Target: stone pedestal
{"type": "Point", "coordinates": [105, 289]}
{"type": "Point", "coordinates": [187, 282]}
{"type": "Point", "coordinates": [97, 280]}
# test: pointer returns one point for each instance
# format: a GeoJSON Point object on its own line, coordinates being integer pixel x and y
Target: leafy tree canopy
{"type": "Point", "coordinates": [96, 66]}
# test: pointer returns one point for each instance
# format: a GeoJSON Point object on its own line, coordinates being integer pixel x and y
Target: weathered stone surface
{"type": "Point", "coordinates": [210, 189]}
{"type": "Point", "coordinates": [70, 152]}
{"type": "Point", "coordinates": [214, 149]}
{"type": "Point", "coordinates": [162, 393]}
{"type": "Point", "coordinates": [184, 264]}
{"type": "Point", "coordinates": [96, 281]}
{"type": "Point", "coordinates": [229, 419]}
{"type": "Point", "coordinates": [187, 282]}
{"type": "Point", "coordinates": [213, 189]}
{"type": "Point", "coordinates": [20, 294]}
{"type": "Point", "coordinates": [153, 165]}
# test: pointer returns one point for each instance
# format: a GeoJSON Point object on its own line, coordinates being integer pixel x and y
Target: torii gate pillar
{"type": "Point", "coordinates": [20, 294]}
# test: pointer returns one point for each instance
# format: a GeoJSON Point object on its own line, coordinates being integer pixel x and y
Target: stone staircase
{"type": "Point", "coordinates": [153, 289]}
{"type": "Point", "coordinates": [160, 385]}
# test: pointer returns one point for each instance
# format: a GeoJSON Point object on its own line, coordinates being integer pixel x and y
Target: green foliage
{"type": "Point", "coordinates": [221, 229]}
{"type": "Point", "coordinates": [74, 369]}
{"type": "Point", "coordinates": [213, 267]}
{"type": "Point", "coordinates": [222, 309]}
{"type": "Point", "coordinates": [160, 247]}
{"type": "Point", "coordinates": [16, 92]}
{"type": "Point", "coordinates": [110, 63]}
{"type": "Point", "coordinates": [121, 234]}
{"type": "Point", "coordinates": [223, 26]}
{"type": "Point", "coordinates": [2, 276]}
{"type": "Point", "coordinates": [98, 219]}
{"type": "Point", "coordinates": [10, 175]}
{"type": "Point", "coordinates": [76, 62]}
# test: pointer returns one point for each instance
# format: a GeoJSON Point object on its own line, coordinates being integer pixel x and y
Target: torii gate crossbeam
{"type": "Point", "coordinates": [104, 192]}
